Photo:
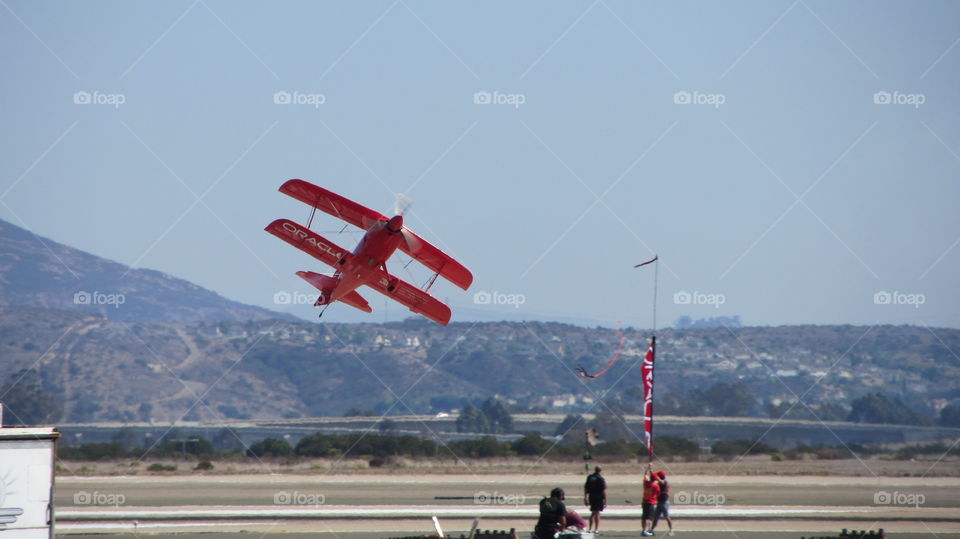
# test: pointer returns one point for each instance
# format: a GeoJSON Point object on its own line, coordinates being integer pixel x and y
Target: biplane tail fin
{"type": "Point", "coordinates": [325, 284]}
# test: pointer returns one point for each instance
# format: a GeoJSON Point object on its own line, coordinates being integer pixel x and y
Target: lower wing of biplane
{"type": "Point", "coordinates": [413, 298]}
{"type": "Point", "coordinates": [402, 292]}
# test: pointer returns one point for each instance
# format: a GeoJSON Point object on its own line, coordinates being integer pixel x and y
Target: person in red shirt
{"type": "Point", "coordinates": [663, 504]}
{"type": "Point", "coordinates": [651, 494]}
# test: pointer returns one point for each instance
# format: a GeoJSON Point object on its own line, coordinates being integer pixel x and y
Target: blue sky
{"type": "Point", "coordinates": [791, 162]}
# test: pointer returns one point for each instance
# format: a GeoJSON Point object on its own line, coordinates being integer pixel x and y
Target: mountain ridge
{"type": "Point", "coordinates": [39, 272]}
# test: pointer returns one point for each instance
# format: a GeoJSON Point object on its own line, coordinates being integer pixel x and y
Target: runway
{"type": "Point", "coordinates": [372, 506]}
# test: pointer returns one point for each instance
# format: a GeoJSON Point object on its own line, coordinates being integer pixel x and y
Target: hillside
{"type": "Point", "coordinates": [38, 272]}
{"type": "Point", "coordinates": [112, 370]}
{"type": "Point", "coordinates": [87, 339]}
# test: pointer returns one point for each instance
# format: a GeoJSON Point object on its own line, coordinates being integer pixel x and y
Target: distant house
{"type": "Point", "coordinates": [561, 401]}
{"type": "Point", "coordinates": [725, 365]}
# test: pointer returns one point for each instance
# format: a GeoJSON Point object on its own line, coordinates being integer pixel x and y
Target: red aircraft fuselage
{"type": "Point", "coordinates": [368, 263]}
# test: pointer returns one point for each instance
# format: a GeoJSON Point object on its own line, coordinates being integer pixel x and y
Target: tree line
{"type": "Point", "coordinates": [377, 449]}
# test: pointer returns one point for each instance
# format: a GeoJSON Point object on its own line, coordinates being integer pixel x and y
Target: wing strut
{"type": "Point", "coordinates": [313, 212]}
{"type": "Point", "coordinates": [431, 281]}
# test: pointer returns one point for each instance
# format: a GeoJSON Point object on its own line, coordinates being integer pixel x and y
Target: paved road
{"type": "Point", "coordinates": [365, 506]}
{"type": "Point", "coordinates": [461, 489]}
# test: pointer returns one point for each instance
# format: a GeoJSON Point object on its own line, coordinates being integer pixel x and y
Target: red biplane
{"type": "Point", "coordinates": [367, 264]}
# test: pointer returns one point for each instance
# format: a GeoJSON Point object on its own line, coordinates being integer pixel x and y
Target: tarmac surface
{"type": "Point", "coordinates": [374, 506]}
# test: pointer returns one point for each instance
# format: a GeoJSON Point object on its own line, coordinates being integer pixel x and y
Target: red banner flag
{"type": "Point", "coordinates": [646, 371]}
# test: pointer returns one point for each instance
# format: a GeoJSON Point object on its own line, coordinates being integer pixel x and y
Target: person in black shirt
{"type": "Point", "coordinates": [595, 496]}
{"type": "Point", "coordinates": [553, 515]}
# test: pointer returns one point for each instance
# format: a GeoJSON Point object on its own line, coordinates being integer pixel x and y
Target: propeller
{"type": "Point", "coordinates": [413, 243]}
{"type": "Point", "coordinates": [400, 207]}
{"type": "Point", "coordinates": [402, 204]}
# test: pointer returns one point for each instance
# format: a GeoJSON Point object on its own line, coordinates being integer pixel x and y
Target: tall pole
{"type": "Point", "coordinates": [646, 369]}
{"type": "Point", "coordinates": [653, 347]}
{"type": "Point", "coordinates": [653, 350]}
{"type": "Point", "coordinates": [656, 272]}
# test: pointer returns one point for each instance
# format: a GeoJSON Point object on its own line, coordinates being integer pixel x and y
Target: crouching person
{"type": "Point", "coordinates": [553, 515]}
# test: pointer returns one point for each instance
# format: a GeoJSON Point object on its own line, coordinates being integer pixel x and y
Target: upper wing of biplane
{"type": "Point", "coordinates": [308, 241]}
{"type": "Point", "coordinates": [435, 259]}
{"type": "Point", "coordinates": [332, 203]}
